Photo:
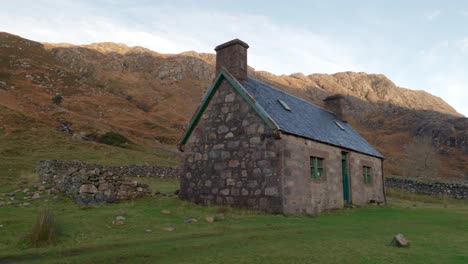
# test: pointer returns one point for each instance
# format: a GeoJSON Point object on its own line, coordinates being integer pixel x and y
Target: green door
{"type": "Point", "coordinates": [344, 169]}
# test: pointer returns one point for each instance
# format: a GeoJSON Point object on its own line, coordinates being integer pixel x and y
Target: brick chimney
{"type": "Point", "coordinates": [336, 104]}
{"type": "Point", "coordinates": [232, 56]}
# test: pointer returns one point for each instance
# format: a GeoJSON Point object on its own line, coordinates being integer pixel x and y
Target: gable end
{"type": "Point", "coordinates": [224, 75]}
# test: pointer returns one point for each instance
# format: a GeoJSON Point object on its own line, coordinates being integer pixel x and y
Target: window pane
{"type": "Point", "coordinates": [316, 167]}
{"type": "Point", "coordinates": [319, 173]}
{"type": "Point", "coordinates": [319, 163]}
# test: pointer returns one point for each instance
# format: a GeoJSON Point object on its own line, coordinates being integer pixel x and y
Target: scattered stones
{"type": "Point", "coordinates": [219, 217]}
{"type": "Point", "coordinates": [400, 241]}
{"type": "Point", "coordinates": [169, 228]}
{"type": "Point", "coordinates": [118, 222]}
{"type": "Point", "coordinates": [166, 212]}
{"type": "Point", "coordinates": [190, 220]}
{"type": "Point", "coordinates": [120, 218]}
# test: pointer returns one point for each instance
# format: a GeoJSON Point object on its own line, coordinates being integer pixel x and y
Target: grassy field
{"type": "Point", "coordinates": [437, 228]}
{"type": "Point", "coordinates": [360, 235]}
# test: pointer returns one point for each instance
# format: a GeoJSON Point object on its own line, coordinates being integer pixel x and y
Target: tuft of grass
{"type": "Point", "coordinates": [44, 231]}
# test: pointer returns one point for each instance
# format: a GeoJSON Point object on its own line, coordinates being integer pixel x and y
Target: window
{"type": "Point", "coordinates": [316, 168]}
{"type": "Point", "coordinates": [284, 104]}
{"type": "Point", "coordinates": [339, 125]}
{"type": "Point", "coordinates": [366, 172]}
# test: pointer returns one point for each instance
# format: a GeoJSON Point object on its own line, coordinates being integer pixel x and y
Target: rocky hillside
{"type": "Point", "coordinates": [149, 97]}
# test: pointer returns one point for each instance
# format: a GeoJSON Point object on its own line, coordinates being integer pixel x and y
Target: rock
{"type": "Point", "coordinates": [1, 226]}
{"type": "Point", "coordinates": [169, 228]}
{"type": "Point", "coordinates": [118, 222]}
{"type": "Point", "coordinates": [26, 190]}
{"type": "Point", "coordinates": [400, 241]}
{"type": "Point", "coordinates": [10, 194]}
{"type": "Point", "coordinates": [2, 203]}
{"type": "Point", "coordinates": [26, 204]}
{"type": "Point", "coordinates": [36, 196]}
{"type": "Point", "coordinates": [219, 217]}
{"type": "Point", "coordinates": [41, 188]}
{"type": "Point", "coordinates": [148, 231]}
{"type": "Point", "coordinates": [190, 220]}
{"type": "Point", "coordinates": [88, 188]}
{"type": "Point", "coordinates": [120, 218]}
{"type": "Point", "coordinates": [165, 211]}
{"type": "Point", "coordinates": [210, 219]}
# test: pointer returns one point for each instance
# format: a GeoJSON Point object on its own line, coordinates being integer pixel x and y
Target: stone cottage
{"type": "Point", "coordinates": [254, 146]}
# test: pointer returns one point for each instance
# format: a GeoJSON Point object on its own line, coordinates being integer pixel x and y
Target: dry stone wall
{"type": "Point", "coordinates": [459, 191]}
{"type": "Point", "coordinates": [90, 183]}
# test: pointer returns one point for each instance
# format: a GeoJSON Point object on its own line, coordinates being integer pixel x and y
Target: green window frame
{"type": "Point", "coordinates": [366, 173]}
{"type": "Point", "coordinates": [316, 168]}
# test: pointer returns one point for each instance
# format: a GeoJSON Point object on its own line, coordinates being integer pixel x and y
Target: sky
{"type": "Point", "coordinates": [421, 45]}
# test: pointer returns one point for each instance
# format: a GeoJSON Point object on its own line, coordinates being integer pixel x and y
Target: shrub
{"type": "Point", "coordinates": [114, 139]}
{"type": "Point", "coordinates": [58, 99]}
{"type": "Point", "coordinates": [44, 231]}
{"type": "Point", "coordinates": [129, 97]}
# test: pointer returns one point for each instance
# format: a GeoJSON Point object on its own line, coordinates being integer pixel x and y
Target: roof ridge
{"type": "Point", "coordinates": [305, 101]}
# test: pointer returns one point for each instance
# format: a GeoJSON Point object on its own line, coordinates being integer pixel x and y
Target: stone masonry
{"type": "Point", "coordinates": [90, 184]}
{"type": "Point", "coordinates": [235, 157]}
{"type": "Point", "coordinates": [231, 157]}
{"type": "Point", "coordinates": [302, 194]}
{"type": "Point", "coordinates": [456, 190]}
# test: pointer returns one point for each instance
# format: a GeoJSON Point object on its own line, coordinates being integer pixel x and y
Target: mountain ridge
{"type": "Point", "coordinates": [150, 96]}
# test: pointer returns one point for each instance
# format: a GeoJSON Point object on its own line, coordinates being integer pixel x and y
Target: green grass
{"type": "Point", "coordinates": [436, 227]}
{"type": "Point", "coordinates": [21, 150]}
{"type": "Point", "coordinates": [362, 235]}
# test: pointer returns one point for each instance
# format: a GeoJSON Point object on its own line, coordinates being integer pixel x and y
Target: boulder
{"type": "Point", "coordinates": [400, 240]}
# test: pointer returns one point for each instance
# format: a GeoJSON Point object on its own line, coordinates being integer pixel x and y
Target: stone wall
{"type": "Point", "coordinates": [90, 184]}
{"type": "Point", "coordinates": [231, 157]}
{"type": "Point", "coordinates": [302, 194]}
{"type": "Point", "coordinates": [130, 170]}
{"type": "Point", "coordinates": [459, 191]}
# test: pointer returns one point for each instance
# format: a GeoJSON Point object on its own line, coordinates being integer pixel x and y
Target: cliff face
{"type": "Point", "coordinates": [150, 96]}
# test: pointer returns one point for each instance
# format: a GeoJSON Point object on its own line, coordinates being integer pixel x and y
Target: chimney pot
{"type": "Point", "coordinates": [232, 56]}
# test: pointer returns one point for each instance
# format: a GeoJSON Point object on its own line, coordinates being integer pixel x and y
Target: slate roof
{"type": "Point", "coordinates": [306, 119]}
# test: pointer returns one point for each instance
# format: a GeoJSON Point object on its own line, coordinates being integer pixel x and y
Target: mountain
{"type": "Point", "coordinates": [150, 97]}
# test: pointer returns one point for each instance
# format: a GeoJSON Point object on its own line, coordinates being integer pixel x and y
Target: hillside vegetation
{"type": "Point", "coordinates": [149, 97]}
